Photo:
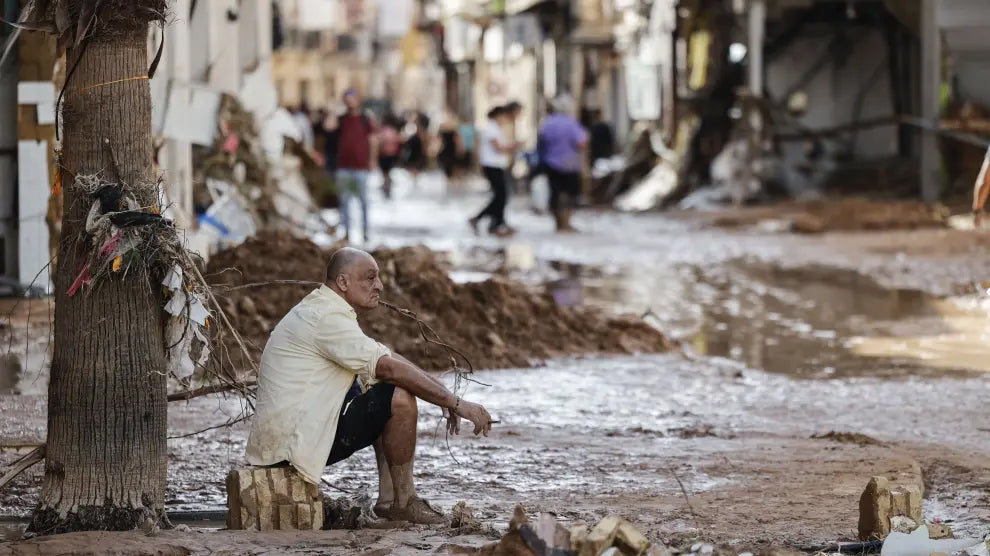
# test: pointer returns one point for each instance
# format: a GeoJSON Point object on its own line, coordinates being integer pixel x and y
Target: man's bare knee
{"type": "Point", "coordinates": [403, 403]}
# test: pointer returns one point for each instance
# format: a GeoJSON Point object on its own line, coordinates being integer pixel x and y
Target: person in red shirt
{"type": "Point", "coordinates": [356, 157]}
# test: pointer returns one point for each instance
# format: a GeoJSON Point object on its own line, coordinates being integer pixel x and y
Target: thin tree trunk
{"type": "Point", "coordinates": [106, 459]}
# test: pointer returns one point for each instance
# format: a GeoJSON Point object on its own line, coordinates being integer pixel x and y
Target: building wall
{"type": "Point", "coordinates": [835, 91]}
{"type": "Point", "coordinates": [8, 164]}
{"type": "Point", "coordinates": [36, 159]}
{"type": "Point", "coordinates": [214, 47]}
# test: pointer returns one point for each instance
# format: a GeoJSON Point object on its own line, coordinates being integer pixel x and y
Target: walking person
{"type": "Point", "coordinates": [416, 146]}
{"type": "Point", "coordinates": [391, 145]}
{"type": "Point", "coordinates": [356, 157]}
{"type": "Point", "coordinates": [562, 144]}
{"type": "Point", "coordinates": [494, 150]}
{"type": "Point", "coordinates": [451, 149]}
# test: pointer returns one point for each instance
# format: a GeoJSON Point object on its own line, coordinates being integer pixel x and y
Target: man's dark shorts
{"type": "Point", "coordinates": [362, 421]}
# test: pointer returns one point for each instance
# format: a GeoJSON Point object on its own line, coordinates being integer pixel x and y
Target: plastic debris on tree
{"type": "Point", "coordinates": [188, 318]}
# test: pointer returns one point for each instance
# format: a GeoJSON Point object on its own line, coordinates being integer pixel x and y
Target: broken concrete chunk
{"type": "Point", "coordinates": [631, 538]}
{"type": "Point", "coordinates": [601, 536]}
{"type": "Point", "coordinates": [881, 502]}
{"type": "Point", "coordinates": [579, 534]}
{"type": "Point", "coordinates": [902, 524]}
{"type": "Point", "coordinates": [906, 501]}
{"type": "Point", "coordinates": [267, 499]}
{"type": "Point", "coordinates": [939, 531]}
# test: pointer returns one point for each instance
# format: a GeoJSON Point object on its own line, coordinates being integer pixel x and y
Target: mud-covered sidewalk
{"type": "Point", "coordinates": [808, 364]}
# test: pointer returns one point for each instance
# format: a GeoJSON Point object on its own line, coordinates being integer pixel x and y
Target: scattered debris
{"type": "Point", "coordinates": [464, 522]}
{"type": "Point", "coordinates": [651, 191]}
{"type": "Point", "coordinates": [919, 543]}
{"type": "Point", "coordinates": [23, 464]}
{"type": "Point", "coordinates": [348, 512]}
{"type": "Point", "coordinates": [462, 516]}
{"type": "Point", "coordinates": [902, 524]}
{"type": "Point", "coordinates": [880, 502]}
{"type": "Point", "coordinates": [613, 535]}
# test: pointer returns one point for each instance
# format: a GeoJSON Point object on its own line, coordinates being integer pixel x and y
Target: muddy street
{"type": "Point", "coordinates": [807, 365]}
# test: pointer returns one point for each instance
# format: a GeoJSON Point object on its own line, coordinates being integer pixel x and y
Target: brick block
{"type": "Point", "coordinates": [304, 516]}
{"type": "Point", "coordinates": [880, 502]}
{"type": "Point", "coordinates": [267, 499]}
{"type": "Point", "coordinates": [287, 517]}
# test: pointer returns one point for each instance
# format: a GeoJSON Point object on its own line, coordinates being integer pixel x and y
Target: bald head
{"type": "Point", "coordinates": [353, 274]}
{"type": "Point", "coordinates": [342, 259]}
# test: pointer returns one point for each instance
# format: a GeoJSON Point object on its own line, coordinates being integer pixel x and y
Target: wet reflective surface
{"type": "Point", "coordinates": [785, 338]}
{"type": "Point", "coordinates": [810, 323]}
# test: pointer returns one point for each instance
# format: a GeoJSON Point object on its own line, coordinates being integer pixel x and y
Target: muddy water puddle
{"type": "Point", "coordinates": [808, 322]}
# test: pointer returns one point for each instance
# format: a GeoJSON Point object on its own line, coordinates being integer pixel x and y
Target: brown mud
{"type": "Point", "coordinates": [834, 215]}
{"type": "Point", "coordinates": [768, 425]}
{"type": "Point", "coordinates": [497, 323]}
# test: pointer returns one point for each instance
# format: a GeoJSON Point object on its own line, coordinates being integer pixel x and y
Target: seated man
{"type": "Point", "coordinates": [326, 391]}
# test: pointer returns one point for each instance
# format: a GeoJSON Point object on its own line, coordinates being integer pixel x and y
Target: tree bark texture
{"type": "Point", "coordinates": [107, 455]}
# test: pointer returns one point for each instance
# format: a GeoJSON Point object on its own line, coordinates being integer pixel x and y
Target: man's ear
{"type": "Point", "coordinates": [342, 282]}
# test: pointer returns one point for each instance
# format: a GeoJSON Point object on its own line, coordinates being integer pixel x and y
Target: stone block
{"type": "Point", "coordinates": [939, 531]}
{"type": "Point", "coordinates": [906, 501]}
{"type": "Point", "coordinates": [287, 517]}
{"type": "Point", "coordinates": [304, 515]}
{"type": "Point", "coordinates": [631, 538]}
{"type": "Point", "coordinates": [880, 502]}
{"type": "Point", "coordinates": [276, 498]}
{"type": "Point", "coordinates": [601, 536]}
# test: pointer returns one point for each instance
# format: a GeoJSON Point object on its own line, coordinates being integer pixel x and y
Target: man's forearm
{"type": "Point", "coordinates": [400, 372]}
{"type": "Point", "coordinates": [428, 375]}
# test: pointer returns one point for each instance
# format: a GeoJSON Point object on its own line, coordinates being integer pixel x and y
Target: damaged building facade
{"type": "Point", "coordinates": [805, 98]}
{"type": "Point", "coordinates": [711, 101]}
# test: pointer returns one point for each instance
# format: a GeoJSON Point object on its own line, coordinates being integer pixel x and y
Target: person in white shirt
{"type": "Point", "coordinates": [493, 155]}
{"type": "Point", "coordinates": [326, 390]}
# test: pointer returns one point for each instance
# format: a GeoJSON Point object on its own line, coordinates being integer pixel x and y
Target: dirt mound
{"type": "Point", "coordinates": [855, 215]}
{"type": "Point", "coordinates": [497, 323]}
{"type": "Point", "coordinates": [275, 255]}
{"type": "Point", "coordinates": [837, 215]}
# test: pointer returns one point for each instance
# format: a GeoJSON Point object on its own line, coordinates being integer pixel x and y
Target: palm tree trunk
{"type": "Point", "coordinates": [106, 459]}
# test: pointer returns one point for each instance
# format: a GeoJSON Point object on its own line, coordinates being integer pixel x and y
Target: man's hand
{"type": "Point", "coordinates": [453, 422]}
{"type": "Point", "coordinates": [476, 414]}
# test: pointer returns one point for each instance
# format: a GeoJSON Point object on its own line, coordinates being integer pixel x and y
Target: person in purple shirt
{"type": "Point", "coordinates": [561, 145]}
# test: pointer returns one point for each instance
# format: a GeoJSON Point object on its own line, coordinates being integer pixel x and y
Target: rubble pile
{"type": "Point", "coordinates": [612, 535]}
{"type": "Point", "coordinates": [497, 323]}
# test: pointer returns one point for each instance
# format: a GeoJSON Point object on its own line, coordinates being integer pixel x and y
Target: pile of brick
{"type": "Point", "coordinates": [612, 535]}
{"type": "Point", "coordinates": [272, 499]}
